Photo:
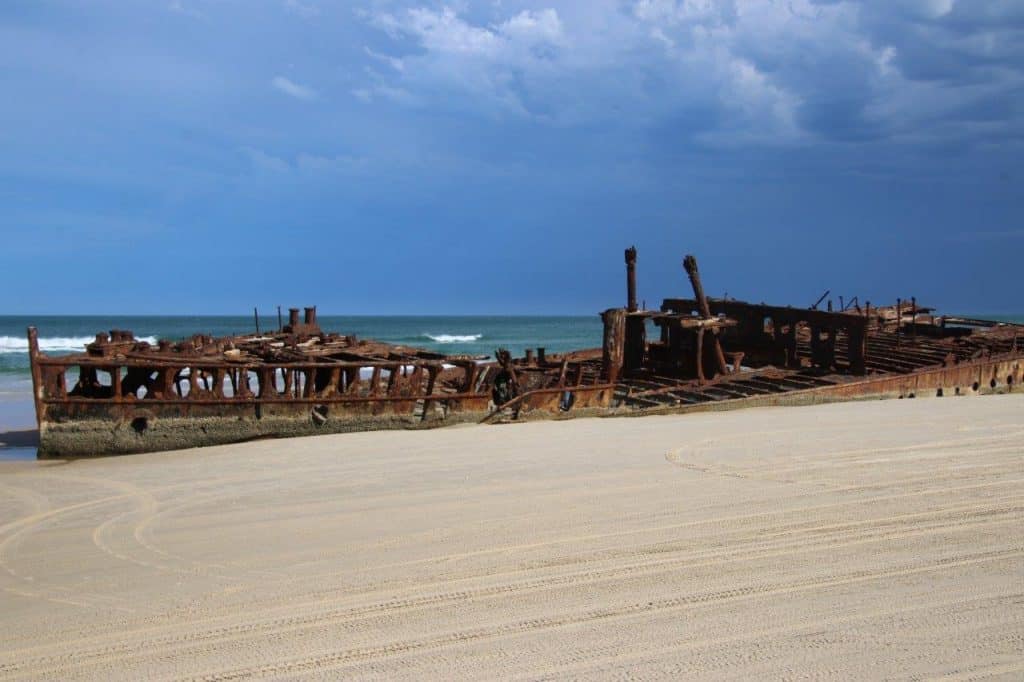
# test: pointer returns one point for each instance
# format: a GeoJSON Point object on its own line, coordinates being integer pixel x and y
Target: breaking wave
{"type": "Point", "coordinates": [16, 344]}
{"type": "Point", "coordinates": [454, 338]}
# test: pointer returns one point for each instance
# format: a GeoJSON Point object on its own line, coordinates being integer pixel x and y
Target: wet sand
{"type": "Point", "coordinates": [18, 434]}
{"type": "Point", "coordinates": [865, 540]}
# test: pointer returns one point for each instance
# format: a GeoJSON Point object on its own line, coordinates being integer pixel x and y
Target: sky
{"type": "Point", "coordinates": [497, 157]}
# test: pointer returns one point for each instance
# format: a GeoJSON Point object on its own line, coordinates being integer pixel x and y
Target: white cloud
{"type": "Point", "coordinates": [303, 162]}
{"type": "Point", "coordinates": [322, 164]}
{"type": "Point", "coordinates": [718, 71]}
{"type": "Point", "coordinates": [301, 9]}
{"type": "Point", "coordinates": [179, 7]}
{"type": "Point", "coordinates": [264, 161]}
{"type": "Point", "coordinates": [533, 27]}
{"type": "Point", "coordinates": [394, 62]}
{"type": "Point", "coordinates": [398, 95]}
{"type": "Point", "coordinates": [924, 9]}
{"type": "Point", "coordinates": [445, 31]}
{"type": "Point", "coordinates": [675, 12]}
{"type": "Point", "coordinates": [464, 60]}
{"type": "Point", "coordinates": [441, 31]}
{"type": "Point", "coordinates": [292, 89]}
{"type": "Point", "coordinates": [382, 91]}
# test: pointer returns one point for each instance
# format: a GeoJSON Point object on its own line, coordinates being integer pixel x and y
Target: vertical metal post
{"type": "Point", "coordinates": [631, 279]}
{"type": "Point", "coordinates": [700, 355]}
{"type": "Point", "coordinates": [913, 315]}
{"type": "Point", "coordinates": [115, 383]}
{"type": "Point", "coordinates": [899, 320]}
{"type": "Point", "coordinates": [432, 373]}
{"type": "Point", "coordinates": [613, 346]}
{"type": "Point", "coordinates": [816, 346]}
{"type": "Point", "coordinates": [256, 314]}
{"type": "Point", "coordinates": [857, 349]}
{"type": "Point", "coordinates": [37, 377]}
{"type": "Point", "coordinates": [792, 359]}
{"type": "Point", "coordinates": [635, 341]}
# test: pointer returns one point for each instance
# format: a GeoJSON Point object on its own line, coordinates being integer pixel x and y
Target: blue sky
{"type": "Point", "coordinates": [205, 156]}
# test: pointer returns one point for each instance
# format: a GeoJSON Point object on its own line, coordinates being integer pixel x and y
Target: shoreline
{"type": "Point", "coordinates": [19, 438]}
{"type": "Point", "coordinates": [19, 434]}
{"type": "Point", "coordinates": [19, 444]}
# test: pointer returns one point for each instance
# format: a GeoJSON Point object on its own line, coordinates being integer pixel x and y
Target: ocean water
{"type": "Point", "coordinates": [476, 335]}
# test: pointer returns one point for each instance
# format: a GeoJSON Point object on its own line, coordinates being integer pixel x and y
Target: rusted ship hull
{"type": "Point", "coordinates": [80, 428]}
{"type": "Point", "coordinates": [124, 396]}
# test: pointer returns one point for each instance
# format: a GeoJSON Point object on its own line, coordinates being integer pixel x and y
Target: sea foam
{"type": "Point", "coordinates": [454, 338]}
{"type": "Point", "coordinates": [17, 344]}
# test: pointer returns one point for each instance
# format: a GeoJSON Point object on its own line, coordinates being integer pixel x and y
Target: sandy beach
{"type": "Point", "coordinates": [867, 540]}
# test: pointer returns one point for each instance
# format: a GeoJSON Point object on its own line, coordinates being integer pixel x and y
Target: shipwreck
{"type": "Point", "coordinates": [122, 395]}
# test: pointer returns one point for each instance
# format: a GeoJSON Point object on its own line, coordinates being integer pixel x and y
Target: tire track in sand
{"type": "Point", "coordinates": [795, 543]}
{"type": "Point", "coordinates": [342, 658]}
{"type": "Point", "coordinates": [318, 596]}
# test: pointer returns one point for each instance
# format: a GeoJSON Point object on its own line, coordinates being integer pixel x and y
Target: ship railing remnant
{"type": "Point", "coordinates": [121, 375]}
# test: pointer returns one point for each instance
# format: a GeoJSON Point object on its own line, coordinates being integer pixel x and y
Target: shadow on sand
{"type": "Point", "coordinates": [19, 445]}
{"type": "Point", "coordinates": [28, 438]}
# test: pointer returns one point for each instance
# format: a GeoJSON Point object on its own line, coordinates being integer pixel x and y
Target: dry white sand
{"type": "Point", "coordinates": [870, 540]}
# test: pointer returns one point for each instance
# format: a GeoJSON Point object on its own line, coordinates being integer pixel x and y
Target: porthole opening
{"type": "Point", "coordinates": [140, 424]}
{"type": "Point", "coordinates": [566, 402]}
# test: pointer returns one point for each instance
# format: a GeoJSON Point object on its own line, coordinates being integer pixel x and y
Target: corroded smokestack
{"type": "Point", "coordinates": [690, 265]}
{"type": "Point", "coordinates": [311, 315]}
{"type": "Point", "coordinates": [631, 279]}
{"type": "Point", "coordinates": [293, 317]}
